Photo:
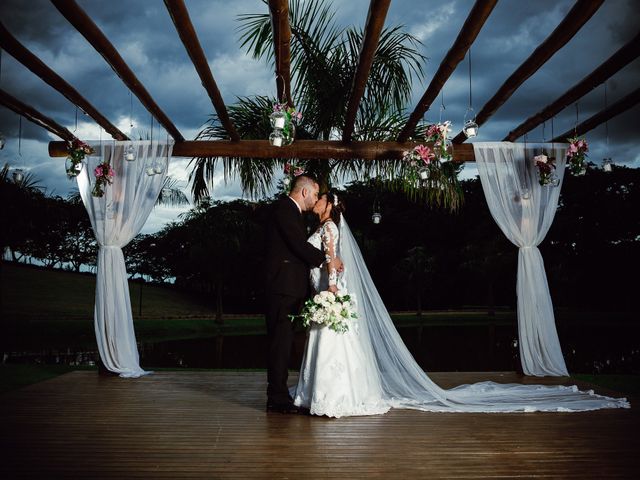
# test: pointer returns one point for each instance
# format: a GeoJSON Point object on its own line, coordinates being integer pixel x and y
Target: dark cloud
{"type": "Point", "coordinates": [145, 36]}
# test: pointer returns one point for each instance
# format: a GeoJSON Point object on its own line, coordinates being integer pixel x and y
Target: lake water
{"type": "Point", "coordinates": [588, 349]}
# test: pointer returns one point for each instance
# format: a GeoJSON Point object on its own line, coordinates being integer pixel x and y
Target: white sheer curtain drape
{"type": "Point", "coordinates": [524, 211]}
{"type": "Point", "coordinates": [116, 218]}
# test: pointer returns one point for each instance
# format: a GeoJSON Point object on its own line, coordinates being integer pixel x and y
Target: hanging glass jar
{"type": "Point", "coordinates": [72, 167]}
{"type": "Point", "coordinates": [130, 153]}
{"type": "Point", "coordinates": [278, 119]}
{"type": "Point", "coordinates": [18, 175]}
{"type": "Point", "coordinates": [276, 138]}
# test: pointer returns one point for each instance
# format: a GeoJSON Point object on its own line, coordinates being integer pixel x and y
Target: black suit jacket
{"type": "Point", "coordinates": [289, 256]}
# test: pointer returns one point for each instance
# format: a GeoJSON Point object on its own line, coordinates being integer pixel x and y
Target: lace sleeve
{"type": "Point", "coordinates": [329, 236]}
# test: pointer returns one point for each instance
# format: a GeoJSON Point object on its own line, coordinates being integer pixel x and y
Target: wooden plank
{"type": "Point", "coordinates": [599, 118]}
{"type": "Point", "coordinates": [581, 12]}
{"type": "Point", "coordinates": [180, 16]}
{"type": "Point", "coordinates": [470, 30]}
{"type": "Point", "coordinates": [36, 117]}
{"type": "Point", "coordinates": [625, 55]}
{"type": "Point", "coordinates": [279, 11]}
{"type": "Point", "coordinates": [89, 30]}
{"type": "Point", "coordinates": [212, 424]}
{"type": "Point", "coordinates": [304, 149]}
{"type": "Point", "coordinates": [18, 51]}
{"type": "Point", "coordinates": [375, 21]}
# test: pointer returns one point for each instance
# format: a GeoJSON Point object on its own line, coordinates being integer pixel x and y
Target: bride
{"type": "Point", "coordinates": [368, 369]}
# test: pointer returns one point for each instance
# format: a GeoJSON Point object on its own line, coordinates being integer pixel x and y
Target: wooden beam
{"type": "Point", "coordinates": [36, 117]}
{"type": "Point", "coordinates": [375, 21]}
{"type": "Point", "coordinates": [279, 10]}
{"type": "Point", "coordinates": [305, 149]}
{"type": "Point", "coordinates": [599, 118]}
{"type": "Point", "coordinates": [606, 70]}
{"type": "Point", "coordinates": [18, 51]}
{"type": "Point", "coordinates": [180, 16]}
{"type": "Point", "coordinates": [89, 30]}
{"type": "Point", "coordinates": [581, 12]}
{"type": "Point", "coordinates": [470, 30]}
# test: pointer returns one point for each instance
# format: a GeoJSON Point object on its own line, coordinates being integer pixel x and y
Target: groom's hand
{"type": "Point", "coordinates": [333, 288]}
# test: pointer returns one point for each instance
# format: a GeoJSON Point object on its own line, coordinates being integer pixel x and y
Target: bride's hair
{"type": "Point", "coordinates": [336, 210]}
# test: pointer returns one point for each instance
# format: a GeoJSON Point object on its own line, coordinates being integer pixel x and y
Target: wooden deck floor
{"type": "Point", "coordinates": [213, 425]}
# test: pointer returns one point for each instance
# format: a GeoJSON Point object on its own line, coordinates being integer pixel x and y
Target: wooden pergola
{"type": "Point", "coordinates": [345, 148]}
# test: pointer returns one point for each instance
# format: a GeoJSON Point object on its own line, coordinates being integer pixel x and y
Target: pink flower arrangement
{"type": "Point", "coordinates": [577, 154]}
{"type": "Point", "coordinates": [438, 133]}
{"type": "Point", "coordinates": [291, 171]}
{"type": "Point", "coordinates": [104, 176]}
{"type": "Point", "coordinates": [76, 151]}
{"type": "Point", "coordinates": [425, 153]}
{"type": "Point", "coordinates": [546, 170]}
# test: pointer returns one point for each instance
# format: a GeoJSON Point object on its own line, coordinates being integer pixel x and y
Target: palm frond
{"type": "Point", "coordinates": [171, 194]}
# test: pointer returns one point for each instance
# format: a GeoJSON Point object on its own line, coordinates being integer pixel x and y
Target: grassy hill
{"type": "Point", "coordinates": [36, 292]}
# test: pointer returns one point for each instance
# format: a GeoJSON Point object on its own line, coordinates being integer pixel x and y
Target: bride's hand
{"type": "Point", "coordinates": [333, 289]}
{"type": "Point", "coordinates": [337, 264]}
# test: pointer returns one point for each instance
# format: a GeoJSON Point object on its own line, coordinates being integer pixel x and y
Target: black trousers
{"type": "Point", "coordinates": [279, 340]}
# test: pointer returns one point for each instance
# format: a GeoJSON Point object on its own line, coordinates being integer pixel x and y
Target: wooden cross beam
{"type": "Point", "coordinates": [599, 118]}
{"type": "Point", "coordinates": [36, 117]}
{"type": "Point", "coordinates": [470, 30]}
{"type": "Point", "coordinates": [375, 21]}
{"type": "Point", "coordinates": [89, 30]}
{"type": "Point", "coordinates": [279, 11]}
{"type": "Point", "coordinates": [187, 33]}
{"type": "Point", "coordinates": [18, 51]}
{"type": "Point", "coordinates": [610, 67]}
{"type": "Point", "coordinates": [303, 149]}
{"type": "Point", "coordinates": [581, 12]}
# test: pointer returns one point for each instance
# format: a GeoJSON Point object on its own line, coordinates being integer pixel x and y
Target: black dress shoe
{"type": "Point", "coordinates": [283, 408]}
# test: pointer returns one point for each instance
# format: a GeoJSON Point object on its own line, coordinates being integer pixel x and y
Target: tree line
{"type": "Point", "coordinates": [419, 257]}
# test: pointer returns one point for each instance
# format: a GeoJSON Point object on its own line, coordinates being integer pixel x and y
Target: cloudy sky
{"type": "Point", "coordinates": [145, 36]}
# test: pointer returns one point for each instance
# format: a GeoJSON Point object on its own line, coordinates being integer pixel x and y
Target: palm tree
{"type": "Point", "coordinates": [324, 58]}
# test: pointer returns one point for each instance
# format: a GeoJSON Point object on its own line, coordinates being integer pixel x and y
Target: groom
{"type": "Point", "coordinates": [289, 258]}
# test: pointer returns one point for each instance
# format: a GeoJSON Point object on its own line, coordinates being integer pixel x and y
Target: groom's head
{"type": "Point", "coordinates": [304, 190]}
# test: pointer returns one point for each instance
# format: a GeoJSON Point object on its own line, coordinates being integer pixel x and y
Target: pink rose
{"type": "Point", "coordinates": [287, 168]}
{"type": "Point", "coordinates": [98, 171]}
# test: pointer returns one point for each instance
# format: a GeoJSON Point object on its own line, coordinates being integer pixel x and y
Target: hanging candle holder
{"type": "Point", "coordinates": [276, 138]}
{"type": "Point", "coordinates": [607, 165]}
{"type": "Point", "coordinates": [18, 175]}
{"type": "Point", "coordinates": [283, 120]}
{"type": "Point", "coordinates": [278, 119]}
{"type": "Point", "coordinates": [470, 127]}
{"type": "Point", "coordinates": [72, 167]}
{"type": "Point", "coordinates": [376, 217]}
{"type": "Point", "coordinates": [130, 153]}
{"type": "Point", "coordinates": [158, 166]}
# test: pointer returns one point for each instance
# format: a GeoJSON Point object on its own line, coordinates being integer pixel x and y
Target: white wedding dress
{"type": "Point", "coordinates": [369, 370]}
{"type": "Point", "coordinates": [336, 379]}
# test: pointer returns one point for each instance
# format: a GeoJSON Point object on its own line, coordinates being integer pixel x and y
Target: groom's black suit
{"type": "Point", "coordinates": [289, 258]}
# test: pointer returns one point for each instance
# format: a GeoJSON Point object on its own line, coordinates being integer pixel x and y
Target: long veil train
{"type": "Point", "coordinates": [406, 385]}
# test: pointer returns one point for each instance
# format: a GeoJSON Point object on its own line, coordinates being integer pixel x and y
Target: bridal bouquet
{"type": "Point", "coordinates": [328, 309]}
